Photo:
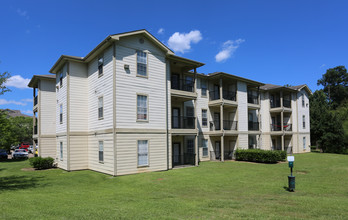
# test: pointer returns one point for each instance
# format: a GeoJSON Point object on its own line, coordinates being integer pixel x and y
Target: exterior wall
{"type": "Point", "coordinates": [47, 105]}
{"type": "Point", "coordinates": [127, 157]}
{"type": "Point", "coordinates": [97, 87]}
{"type": "Point", "coordinates": [202, 103]}
{"type": "Point", "coordinates": [61, 96]}
{"type": "Point", "coordinates": [242, 107]}
{"type": "Point", "coordinates": [107, 166]}
{"type": "Point", "coordinates": [64, 162]}
{"type": "Point", "coordinates": [78, 152]}
{"type": "Point", "coordinates": [47, 147]}
{"type": "Point", "coordinates": [128, 85]}
{"type": "Point", "coordinates": [78, 98]}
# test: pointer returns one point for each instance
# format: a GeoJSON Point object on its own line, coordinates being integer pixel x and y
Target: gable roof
{"type": "Point", "coordinates": [104, 44]}
{"type": "Point", "coordinates": [35, 79]}
{"type": "Point", "coordinates": [249, 81]}
{"type": "Point", "coordinates": [268, 87]}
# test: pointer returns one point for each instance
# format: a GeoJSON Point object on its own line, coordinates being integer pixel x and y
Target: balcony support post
{"type": "Point", "coordinates": [196, 150]}
{"type": "Point", "coordinates": [282, 121]}
{"type": "Point", "coordinates": [220, 87]}
{"type": "Point", "coordinates": [281, 99]}
{"type": "Point", "coordinates": [282, 142]}
{"type": "Point", "coordinates": [222, 151]}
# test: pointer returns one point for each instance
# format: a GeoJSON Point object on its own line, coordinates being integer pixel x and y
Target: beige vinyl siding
{"type": "Point", "coordinates": [127, 157]}
{"type": "Point", "coordinates": [47, 107]}
{"type": "Point", "coordinates": [200, 147]}
{"type": "Point", "coordinates": [302, 111]}
{"type": "Point", "coordinates": [61, 95]}
{"type": "Point", "coordinates": [242, 106]}
{"type": "Point", "coordinates": [62, 163]}
{"type": "Point", "coordinates": [47, 147]}
{"type": "Point", "coordinates": [169, 114]}
{"type": "Point", "coordinates": [78, 152]}
{"type": "Point", "coordinates": [133, 42]}
{"type": "Point", "coordinates": [78, 98]}
{"type": "Point", "coordinates": [93, 153]}
{"type": "Point", "coordinates": [128, 85]}
{"type": "Point", "coordinates": [100, 86]}
{"type": "Point", "coordinates": [202, 103]}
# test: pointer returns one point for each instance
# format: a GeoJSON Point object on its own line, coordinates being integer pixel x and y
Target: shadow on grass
{"type": "Point", "coordinates": [10, 183]}
{"type": "Point", "coordinates": [11, 160]}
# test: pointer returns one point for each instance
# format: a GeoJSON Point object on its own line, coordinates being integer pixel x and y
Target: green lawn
{"type": "Point", "coordinates": [213, 190]}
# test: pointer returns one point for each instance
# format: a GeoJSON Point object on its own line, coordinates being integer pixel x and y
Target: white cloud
{"type": "Point", "coordinates": [323, 65]}
{"type": "Point", "coordinates": [181, 42]}
{"type": "Point", "coordinates": [17, 81]}
{"type": "Point", "coordinates": [228, 48]}
{"type": "Point", "coordinates": [8, 102]}
{"type": "Point", "coordinates": [22, 13]}
{"type": "Point", "coordinates": [27, 100]}
{"type": "Point", "coordinates": [160, 31]}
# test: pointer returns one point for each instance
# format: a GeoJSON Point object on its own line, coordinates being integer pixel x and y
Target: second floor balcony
{"type": "Point", "coordinates": [278, 127]}
{"type": "Point", "coordinates": [253, 99]}
{"type": "Point", "coordinates": [287, 103]}
{"type": "Point", "coordinates": [228, 125]}
{"type": "Point", "coordinates": [183, 122]}
{"type": "Point", "coordinates": [226, 94]}
{"type": "Point", "coordinates": [35, 129]}
{"type": "Point", "coordinates": [253, 126]}
{"type": "Point", "coordinates": [186, 85]}
{"type": "Point", "coordinates": [35, 100]}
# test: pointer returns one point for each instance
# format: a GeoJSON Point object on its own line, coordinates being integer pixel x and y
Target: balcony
{"type": "Point", "coordinates": [276, 127]}
{"type": "Point", "coordinates": [214, 95]}
{"type": "Point", "coordinates": [287, 103]}
{"type": "Point", "coordinates": [183, 122]}
{"type": "Point", "coordinates": [229, 95]}
{"type": "Point", "coordinates": [287, 127]}
{"type": "Point", "coordinates": [275, 103]}
{"type": "Point", "coordinates": [35, 129]}
{"type": "Point", "coordinates": [253, 99]}
{"type": "Point", "coordinates": [230, 125]}
{"type": "Point", "coordinates": [35, 100]}
{"type": "Point", "coordinates": [253, 126]}
{"type": "Point", "coordinates": [214, 125]}
{"type": "Point", "coordinates": [184, 159]}
{"type": "Point", "coordinates": [183, 85]}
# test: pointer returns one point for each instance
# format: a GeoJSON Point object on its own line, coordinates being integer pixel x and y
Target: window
{"type": "Point", "coordinates": [100, 108]}
{"type": "Point", "coordinates": [204, 118]}
{"type": "Point", "coordinates": [141, 63]}
{"type": "Point", "coordinates": [61, 79]}
{"type": "Point", "coordinates": [61, 150]}
{"type": "Point", "coordinates": [203, 88]}
{"type": "Point", "coordinates": [142, 108]}
{"type": "Point", "coordinates": [304, 143]}
{"type": "Point", "coordinates": [143, 148]}
{"type": "Point", "coordinates": [100, 65]}
{"type": "Point", "coordinates": [205, 147]}
{"type": "Point", "coordinates": [61, 113]}
{"type": "Point", "coordinates": [303, 102]}
{"type": "Point", "coordinates": [101, 151]}
{"type": "Point", "coordinates": [304, 121]}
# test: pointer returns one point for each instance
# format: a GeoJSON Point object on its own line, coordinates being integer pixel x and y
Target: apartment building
{"type": "Point", "coordinates": [44, 107]}
{"type": "Point", "coordinates": [131, 105]}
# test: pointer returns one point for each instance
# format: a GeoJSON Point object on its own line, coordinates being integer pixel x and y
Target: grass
{"type": "Point", "coordinates": [214, 190]}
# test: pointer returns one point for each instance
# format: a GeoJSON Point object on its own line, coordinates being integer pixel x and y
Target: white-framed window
{"type": "Point", "coordinates": [100, 107]}
{"type": "Point", "coordinates": [61, 113]}
{"type": "Point", "coordinates": [143, 153]}
{"type": "Point", "coordinates": [101, 151]}
{"type": "Point", "coordinates": [205, 147]}
{"type": "Point", "coordinates": [303, 101]}
{"type": "Point", "coordinates": [61, 150]}
{"type": "Point", "coordinates": [204, 118]}
{"type": "Point", "coordinates": [203, 88]}
{"type": "Point", "coordinates": [304, 143]}
{"type": "Point", "coordinates": [303, 121]}
{"type": "Point", "coordinates": [100, 65]}
{"type": "Point", "coordinates": [142, 104]}
{"type": "Point", "coordinates": [141, 63]}
{"type": "Point", "coordinates": [61, 79]}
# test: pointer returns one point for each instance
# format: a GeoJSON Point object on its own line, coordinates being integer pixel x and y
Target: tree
{"type": "Point", "coordinates": [21, 129]}
{"type": "Point", "coordinates": [335, 83]}
{"type": "Point", "coordinates": [326, 126]}
{"type": "Point", "coordinates": [3, 78]}
{"type": "Point", "coordinates": [5, 131]}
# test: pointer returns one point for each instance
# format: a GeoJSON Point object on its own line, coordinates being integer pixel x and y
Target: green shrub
{"type": "Point", "coordinates": [41, 163]}
{"type": "Point", "coordinates": [261, 156]}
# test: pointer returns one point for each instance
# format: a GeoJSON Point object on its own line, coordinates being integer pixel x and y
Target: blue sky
{"type": "Point", "coordinates": [278, 42]}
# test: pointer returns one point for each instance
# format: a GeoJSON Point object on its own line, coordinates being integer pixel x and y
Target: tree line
{"type": "Point", "coordinates": [329, 112]}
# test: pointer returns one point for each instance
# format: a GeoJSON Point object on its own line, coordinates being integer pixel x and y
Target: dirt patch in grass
{"type": "Point", "coordinates": [28, 169]}
{"type": "Point", "coordinates": [301, 172]}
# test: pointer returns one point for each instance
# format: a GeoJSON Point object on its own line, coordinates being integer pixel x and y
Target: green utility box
{"type": "Point", "coordinates": [291, 164]}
